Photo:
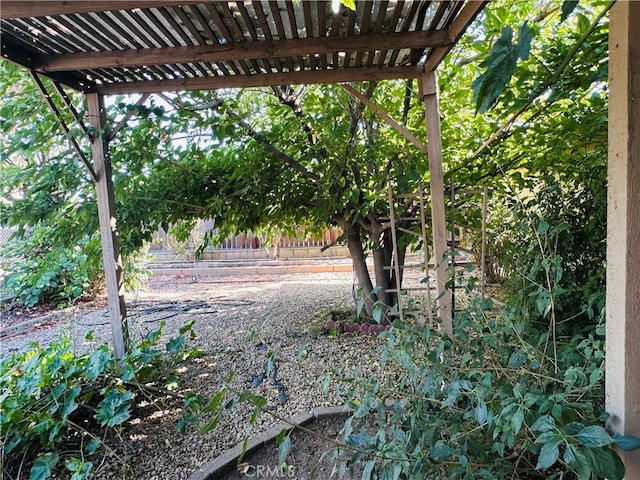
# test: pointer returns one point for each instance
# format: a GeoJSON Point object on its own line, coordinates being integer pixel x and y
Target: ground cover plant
{"type": "Point", "coordinates": [61, 409]}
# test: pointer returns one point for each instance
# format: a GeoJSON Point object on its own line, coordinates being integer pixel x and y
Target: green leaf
{"type": "Point", "coordinates": [175, 344]}
{"type": "Point", "coordinates": [440, 451]}
{"type": "Point", "coordinates": [524, 41]}
{"type": "Point", "coordinates": [626, 442]}
{"type": "Point", "coordinates": [215, 401]}
{"type": "Point", "coordinates": [543, 424]}
{"type": "Point", "coordinates": [368, 470]}
{"type": "Point", "coordinates": [604, 463]}
{"type": "Point", "coordinates": [568, 6]}
{"type": "Point", "coordinates": [114, 408]}
{"type": "Point", "coordinates": [594, 436]}
{"type": "Point", "coordinates": [480, 412]}
{"type": "Point", "coordinates": [43, 466]}
{"type": "Point", "coordinates": [548, 456]}
{"type": "Point", "coordinates": [577, 461]}
{"type": "Point", "coordinates": [186, 327]}
{"type": "Point", "coordinates": [499, 66]}
{"type": "Point", "coordinates": [517, 420]}
{"type": "Point", "coordinates": [517, 359]}
{"type": "Point", "coordinates": [207, 427]}
{"type": "Point", "coordinates": [284, 448]}
{"type": "Point", "coordinates": [377, 312]}
{"type": "Point", "coordinates": [543, 227]}
{"type": "Point", "coordinates": [92, 446]}
{"type": "Point", "coordinates": [98, 361]}
{"type": "Point", "coordinates": [81, 470]}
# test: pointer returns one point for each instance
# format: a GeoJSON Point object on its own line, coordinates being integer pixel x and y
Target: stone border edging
{"type": "Point", "coordinates": [226, 461]}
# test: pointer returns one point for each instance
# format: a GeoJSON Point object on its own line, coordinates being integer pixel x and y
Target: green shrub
{"type": "Point", "coordinates": [499, 401]}
{"type": "Point", "coordinates": [58, 407]}
{"type": "Point", "coordinates": [40, 272]}
{"type": "Point", "coordinates": [559, 229]}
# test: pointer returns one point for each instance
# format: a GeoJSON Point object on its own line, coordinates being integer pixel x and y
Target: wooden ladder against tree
{"type": "Point", "coordinates": [395, 264]}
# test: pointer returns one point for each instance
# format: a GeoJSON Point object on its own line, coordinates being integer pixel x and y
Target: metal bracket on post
{"type": "Point", "coordinates": [429, 94]}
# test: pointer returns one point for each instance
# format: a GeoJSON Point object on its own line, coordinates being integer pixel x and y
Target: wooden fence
{"type": "Point", "coordinates": [165, 241]}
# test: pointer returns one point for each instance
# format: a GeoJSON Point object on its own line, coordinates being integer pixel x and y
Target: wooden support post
{"type": "Point", "coordinates": [483, 251]}
{"type": "Point", "coordinates": [623, 229]}
{"type": "Point", "coordinates": [108, 233]}
{"type": "Point", "coordinates": [429, 92]}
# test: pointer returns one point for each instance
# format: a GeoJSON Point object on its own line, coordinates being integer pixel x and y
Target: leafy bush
{"type": "Point", "coordinates": [499, 401]}
{"type": "Point", "coordinates": [41, 272]}
{"type": "Point", "coordinates": [552, 245]}
{"type": "Point", "coordinates": [59, 408]}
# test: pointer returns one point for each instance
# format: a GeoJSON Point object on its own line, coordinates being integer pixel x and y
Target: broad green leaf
{"type": "Point", "coordinates": [43, 466]}
{"type": "Point", "coordinates": [114, 408]}
{"type": "Point", "coordinates": [81, 469]}
{"type": "Point", "coordinates": [594, 436]}
{"type": "Point", "coordinates": [548, 456]}
{"type": "Point", "coordinates": [543, 227]}
{"type": "Point", "coordinates": [626, 442]}
{"type": "Point", "coordinates": [517, 359]}
{"type": "Point", "coordinates": [440, 452]}
{"type": "Point", "coordinates": [500, 65]}
{"type": "Point", "coordinates": [377, 312]}
{"type": "Point", "coordinates": [98, 361]}
{"type": "Point", "coordinates": [175, 344]}
{"type": "Point", "coordinates": [577, 461]}
{"type": "Point", "coordinates": [92, 446]}
{"type": "Point", "coordinates": [517, 420]}
{"type": "Point", "coordinates": [480, 412]}
{"type": "Point", "coordinates": [605, 463]}
{"type": "Point", "coordinates": [568, 6]}
{"type": "Point", "coordinates": [543, 424]}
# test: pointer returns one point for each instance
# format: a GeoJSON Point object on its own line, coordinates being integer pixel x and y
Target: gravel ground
{"type": "Point", "coordinates": [288, 314]}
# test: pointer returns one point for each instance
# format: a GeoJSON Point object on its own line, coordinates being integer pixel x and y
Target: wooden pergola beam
{"type": "Point", "coordinates": [243, 50]}
{"type": "Point", "coordinates": [397, 126]}
{"type": "Point", "coordinates": [262, 80]}
{"type": "Point", "coordinates": [35, 8]}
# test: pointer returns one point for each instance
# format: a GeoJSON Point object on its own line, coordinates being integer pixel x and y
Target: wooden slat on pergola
{"type": "Point", "coordinates": [147, 46]}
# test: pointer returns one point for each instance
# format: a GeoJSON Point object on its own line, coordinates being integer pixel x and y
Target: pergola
{"type": "Point", "coordinates": [140, 47]}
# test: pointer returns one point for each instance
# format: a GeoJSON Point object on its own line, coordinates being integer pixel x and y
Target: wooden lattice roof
{"type": "Point", "coordinates": [115, 47]}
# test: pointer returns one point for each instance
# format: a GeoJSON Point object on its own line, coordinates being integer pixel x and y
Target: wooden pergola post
{"type": "Point", "coordinates": [108, 233]}
{"type": "Point", "coordinates": [623, 229]}
{"type": "Point", "coordinates": [429, 93]}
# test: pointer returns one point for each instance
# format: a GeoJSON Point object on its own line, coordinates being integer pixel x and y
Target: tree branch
{"type": "Point", "coordinates": [282, 155]}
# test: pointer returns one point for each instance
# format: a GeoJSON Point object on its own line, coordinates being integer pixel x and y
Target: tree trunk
{"type": "Point", "coordinates": [358, 259]}
{"type": "Point", "coordinates": [382, 275]}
